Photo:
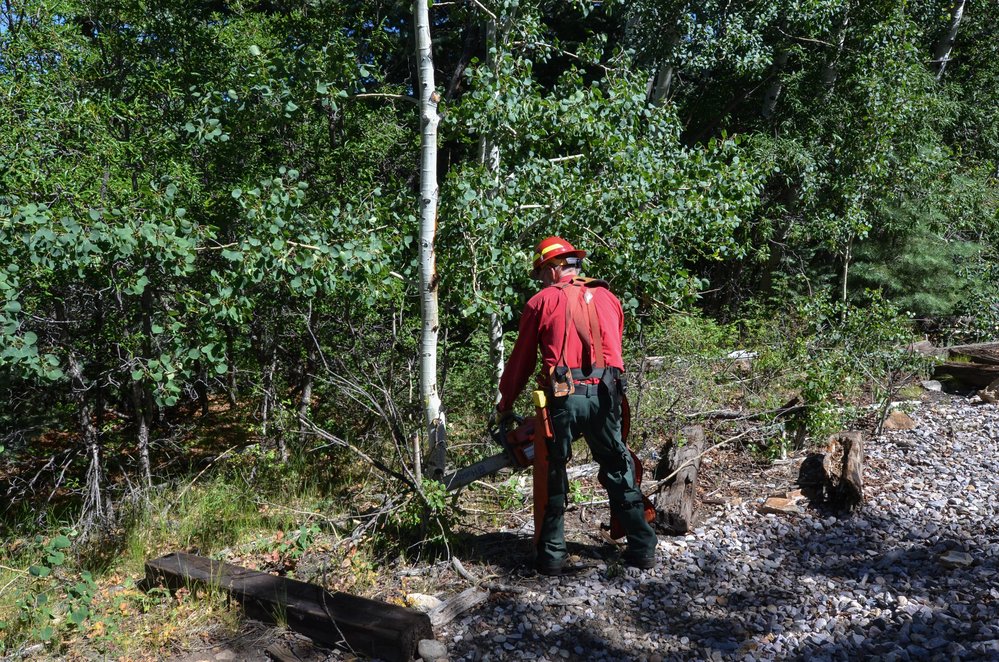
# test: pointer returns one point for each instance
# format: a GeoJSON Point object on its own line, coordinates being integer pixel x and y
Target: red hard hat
{"type": "Point", "coordinates": [553, 247]}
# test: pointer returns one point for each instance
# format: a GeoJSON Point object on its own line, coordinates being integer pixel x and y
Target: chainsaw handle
{"type": "Point", "coordinates": [498, 428]}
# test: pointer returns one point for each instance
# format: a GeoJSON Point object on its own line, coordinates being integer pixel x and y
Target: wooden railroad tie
{"type": "Point", "coordinates": [374, 628]}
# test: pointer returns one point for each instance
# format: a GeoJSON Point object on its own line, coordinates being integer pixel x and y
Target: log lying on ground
{"type": "Point", "coordinates": [674, 498]}
{"type": "Point", "coordinates": [457, 605]}
{"type": "Point", "coordinates": [370, 627]}
{"type": "Point", "coordinates": [836, 477]}
{"type": "Point", "coordinates": [793, 407]}
{"type": "Point", "coordinates": [978, 375]}
{"type": "Point", "coordinates": [987, 352]}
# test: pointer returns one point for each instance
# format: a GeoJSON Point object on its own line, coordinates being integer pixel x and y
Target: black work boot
{"type": "Point", "coordinates": [639, 561]}
{"type": "Point", "coordinates": [550, 568]}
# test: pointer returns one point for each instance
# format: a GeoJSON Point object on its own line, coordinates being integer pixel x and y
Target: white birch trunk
{"type": "Point", "coordinates": [489, 156]}
{"type": "Point", "coordinates": [941, 54]}
{"type": "Point", "coordinates": [831, 70]}
{"type": "Point", "coordinates": [428, 230]}
{"type": "Point", "coordinates": [776, 87]}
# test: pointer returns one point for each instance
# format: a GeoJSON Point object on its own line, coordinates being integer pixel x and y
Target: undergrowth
{"type": "Point", "coordinates": [327, 516]}
{"type": "Point", "coordinates": [834, 361]}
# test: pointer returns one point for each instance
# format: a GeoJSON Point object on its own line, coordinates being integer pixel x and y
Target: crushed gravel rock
{"type": "Point", "coordinates": [911, 576]}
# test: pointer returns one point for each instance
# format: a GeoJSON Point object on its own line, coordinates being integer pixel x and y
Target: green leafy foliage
{"type": "Point", "coordinates": [215, 203]}
{"type": "Point", "coordinates": [57, 598]}
{"type": "Point", "coordinates": [850, 347]}
{"type": "Point", "coordinates": [426, 519]}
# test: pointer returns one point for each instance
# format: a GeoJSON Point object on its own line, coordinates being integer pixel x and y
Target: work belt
{"type": "Point", "coordinates": [588, 383]}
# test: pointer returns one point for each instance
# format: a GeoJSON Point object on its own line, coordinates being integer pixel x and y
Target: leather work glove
{"type": "Point", "coordinates": [503, 418]}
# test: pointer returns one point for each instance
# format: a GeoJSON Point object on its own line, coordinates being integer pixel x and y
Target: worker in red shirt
{"type": "Point", "coordinates": [576, 325]}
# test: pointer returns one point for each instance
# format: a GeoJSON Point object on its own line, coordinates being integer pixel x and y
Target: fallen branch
{"type": "Point", "coordinates": [451, 608]}
{"type": "Point", "coordinates": [342, 443]}
{"type": "Point", "coordinates": [472, 579]}
{"type": "Point", "coordinates": [793, 407]}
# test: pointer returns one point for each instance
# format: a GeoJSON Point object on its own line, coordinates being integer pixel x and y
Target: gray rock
{"type": "Point", "coordinates": [430, 650]}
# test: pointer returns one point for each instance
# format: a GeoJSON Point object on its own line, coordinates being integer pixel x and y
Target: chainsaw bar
{"type": "Point", "coordinates": [462, 477]}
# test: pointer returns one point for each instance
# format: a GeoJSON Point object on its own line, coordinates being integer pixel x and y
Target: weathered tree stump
{"type": "Point", "coordinates": [675, 497]}
{"type": "Point", "coordinates": [836, 477]}
{"type": "Point", "coordinates": [990, 394]}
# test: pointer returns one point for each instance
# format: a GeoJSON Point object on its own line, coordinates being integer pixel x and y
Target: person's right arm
{"type": "Point", "coordinates": [523, 358]}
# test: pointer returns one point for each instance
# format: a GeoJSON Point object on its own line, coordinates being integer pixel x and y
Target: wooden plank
{"type": "Point", "coordinates": [374, 628]}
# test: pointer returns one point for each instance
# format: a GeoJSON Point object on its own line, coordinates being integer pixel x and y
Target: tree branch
{"type": "Point", "coordinates": [484, 8]}
{"type": "Point", "coordinates": [337, 441]}
{"type": "Point", "coordinates": [655, 484]}
{"type": "Point", "coordinates": [384, 95]}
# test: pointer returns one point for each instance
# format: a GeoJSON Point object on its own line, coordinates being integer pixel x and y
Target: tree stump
{"type": "Point", "coordinates": [836, 478]}
{"type": "Point", "coordinates": [675, 497]}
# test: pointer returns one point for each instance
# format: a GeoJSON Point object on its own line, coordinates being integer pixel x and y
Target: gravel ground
{"type": "Point", "coordinates": [911, 576]}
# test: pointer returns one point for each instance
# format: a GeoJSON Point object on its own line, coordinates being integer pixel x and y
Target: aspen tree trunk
{"type": "Point", "coordinates": [428, 229]}
{"type": "Point", "coordinates": [497, 352]}
{"type": "Point", "coordinates": [847, 256]}
{"type": "Point", "coordinates": [776, 87]}
{"type": "Point", "coordinates": [773, 91]}
{"type": "Point", "coordinates": [663, 79]}
{"type": "Point", "coordinates": [96, 509]}
{"type": "Point", "coordinates": [269, 403]}
{"type": "Point", "coordinates": [489, 156]}
{"type": "Point", "coordinates": [831, 70]}
{"type": "Point", "coordinates": [201, 386]}
{"type": "Point", "coordinates": [941, 54]}
{"type": "Point", "coordinates": [143, 418]}
{"type": "Point", "coordinates": [230, 354]}
{"type": "Point", "coordinates": [143, 404]}
{"type": "Point", "coordinates": [308, 378]}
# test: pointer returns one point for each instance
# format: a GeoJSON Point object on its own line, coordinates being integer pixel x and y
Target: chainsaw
{"type": "Point", "coordinates": [517, 442]}
{"type": "Point", "coordinates": [521, 449]}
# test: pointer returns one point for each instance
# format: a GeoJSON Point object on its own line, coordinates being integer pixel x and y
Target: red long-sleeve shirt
{"type": "Point", "coordinates": [542, 328]}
